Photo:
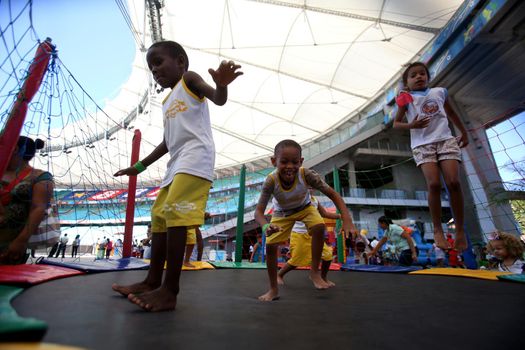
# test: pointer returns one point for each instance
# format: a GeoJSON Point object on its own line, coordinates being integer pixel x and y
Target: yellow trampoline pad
{"type": "Point", "coordinates": [444, 271]}
{"type": "Point", "coordinates": [199, 265]}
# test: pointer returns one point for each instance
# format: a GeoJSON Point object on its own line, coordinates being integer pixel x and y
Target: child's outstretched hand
{"type": "Point", "coordinates": [419, 123]}
{"type": "Point", "coordinates": [226, 73]}
{"type": "Point", "coordinates": [462, 140]}
{"type": "Point", "coordinates": [131, 171]}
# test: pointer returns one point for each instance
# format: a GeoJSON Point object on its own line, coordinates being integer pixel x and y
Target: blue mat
{"type": "Point", "coordinates": [379, 268]}
{"type": "Point", "coordinates": [103, 265]}
{"type": "Point", "coordinates": [514, 278]}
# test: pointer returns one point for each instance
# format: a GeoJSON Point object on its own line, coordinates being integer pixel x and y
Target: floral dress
{"type": "Point", "coordinates": [14, 215]}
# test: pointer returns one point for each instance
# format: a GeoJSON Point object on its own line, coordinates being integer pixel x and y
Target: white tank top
{"type": "Point", "coordinates": [299, 226]}
{"type": "Point", "coordinates": [188, 135]}
{"type": "Point", "coordinates": [288, 202]}
{"type": "Point", "coordinates": [429, 103]}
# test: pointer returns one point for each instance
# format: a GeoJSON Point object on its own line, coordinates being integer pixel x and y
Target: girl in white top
{"type": "Point", "coordinates": [508, 249]}
{"type": "Point", "coordinates": [435, 150]}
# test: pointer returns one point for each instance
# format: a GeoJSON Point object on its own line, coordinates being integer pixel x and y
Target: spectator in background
{"type": "Point", "coordinates": [509, 251]}
{"type": "Point", "coordinates": [74, 248]}
{"type": "Point", "coordinates": [400, 239]}
{"type": "Point", "coordinates": [109, 248]}
{"type": "Point", "coordinates": [62, 246]}
{"type": "Point", "coordinates": [25, 195]}
{"type": "Point", "coordinates": [452, 253]}
{"type": "Point", "coordinates": [101, 249]}
{"type": "Point", "coordinates": [118, 248]}
{"type": "Point", "coordinates": [256, 255]}
{"type": "Point", "coordinates": [440, 255]}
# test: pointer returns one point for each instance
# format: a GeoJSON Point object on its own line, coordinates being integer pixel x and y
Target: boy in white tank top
{"type": "Point", "coordinates": [289, 184]}
{"type": "Point", "coordinates": [182, 198]}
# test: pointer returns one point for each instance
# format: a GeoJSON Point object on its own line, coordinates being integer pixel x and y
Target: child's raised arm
{"type": "Point", "coordinates": [223, 76]}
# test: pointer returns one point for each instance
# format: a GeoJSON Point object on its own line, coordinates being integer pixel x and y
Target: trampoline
{"type": "Point", "coordinates": [218, 309]}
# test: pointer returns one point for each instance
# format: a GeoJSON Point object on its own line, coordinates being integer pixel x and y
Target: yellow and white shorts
{"type": "Point", "coordinates": [182, 203]}
{"type": "Point", "coordinates": [301, 250]}
{"type": "Point", "coordinates": [309, 215]}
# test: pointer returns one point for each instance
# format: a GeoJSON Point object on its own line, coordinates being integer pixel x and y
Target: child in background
{"type": "Point", "coordinates": [301, 247]}
{"type": "Point", "coordinates": [194, 237]}
{"type": "Point", "coordinates": [255, 256]}
{"type": "Point", "coordinates": [362, 248]}
{"type": "Point", "coordinates": [289, 184]}
{"type": "Point", "coordinates": [184, 190]}
{"type": "Point", "coordinates": [508, 250]}
{"type": "Point", "coordinates": [400, 239]}
{"type": "Point", "coordinates": [435, 150]}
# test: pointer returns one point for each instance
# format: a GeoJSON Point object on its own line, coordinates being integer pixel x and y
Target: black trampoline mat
{"type": "Point", "coordinates": [218, 309]}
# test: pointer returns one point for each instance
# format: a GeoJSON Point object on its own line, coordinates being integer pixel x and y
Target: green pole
{"type": "Point", "coordinates": [338, 223]}
{"type": "Point", "coordinates": [240, 216]}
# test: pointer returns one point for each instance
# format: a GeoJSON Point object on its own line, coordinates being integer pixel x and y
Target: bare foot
{"type": "Point", "coordinates": [271, 295]}
{"type": "Point", "coordinates": [330, 283]}
{"type": "Point", "coordinates": [460, 244]}
{"type": "Point", "coordinates": [280, 280]}
{"type": "Point", "coordinates": [160, 299]}
{"type": "Point", "coordinates": [190, 265]}
{"type": "Point", "coordinates": [441, 242]}
{"type": "Point", "coordinates": [135, 288]}
{"type": "Point", "coordinates": [318, 282]}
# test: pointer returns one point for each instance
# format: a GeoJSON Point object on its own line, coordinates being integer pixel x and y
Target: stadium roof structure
{"type": "Point", "coordinates": [309, 66]}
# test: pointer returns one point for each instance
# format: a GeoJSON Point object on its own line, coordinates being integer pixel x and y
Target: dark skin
{"type": "Point", "coordinates": [288, 161]}
{"type": "Point", "coordinates": [417, 79]}
{"type": "Point", "coordinates": [154, 293]}
{"type": "Point", "coordinates": [325, 265]}
{"type": "Point", "coordinates": [41, 195]}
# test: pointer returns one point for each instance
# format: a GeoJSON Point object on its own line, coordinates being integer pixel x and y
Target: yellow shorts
{"type": "Point", "coordinates": [309, 215]}
{"type": "Point", "coordinates": [182, 203]}
{"type": "Point", "coordinates": [191, 236]}
{"type": "Point", "coordinates": [301, 250]}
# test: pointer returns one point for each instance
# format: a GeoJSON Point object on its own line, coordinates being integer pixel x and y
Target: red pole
{"type": "Point", "coordinates": [132, 188]}
{"type": "Point", "coordinates": [17, 116]}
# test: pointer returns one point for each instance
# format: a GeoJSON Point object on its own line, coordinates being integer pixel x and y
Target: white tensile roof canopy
{"type": "Point", "coordinates": [308, 67]}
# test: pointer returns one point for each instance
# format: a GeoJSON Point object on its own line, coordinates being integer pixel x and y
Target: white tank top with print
{"type": "Point", "coordinates": [286, 202]}
{"type": "Point", "coordinates": [188, 135]}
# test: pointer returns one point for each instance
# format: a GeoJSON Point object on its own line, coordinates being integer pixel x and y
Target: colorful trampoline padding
{"type": "Point", "coordinates": [379, 268]}
{"type": "Point", "coordinates": [448, 271]}
{"type": "Point", "coordinates": [237, 265]}
{"type": "Point", "coordinates": [102, 265]}
{"type": "Point", "coordinates": [13, 327]}
{"type": "Point", "coordinates": [333, 267]}
{"type": "Point", "coordinates": [520, 278]}
{"type": "Point", "coordinates": [33, 274]}
{"type": "Point", "coordinates": [199, 265]}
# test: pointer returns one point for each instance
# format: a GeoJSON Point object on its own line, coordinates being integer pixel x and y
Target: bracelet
{"type": "Point", "coordinates": [139, 166]}
{"type": "Point", "coordinates": [265, 228]}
